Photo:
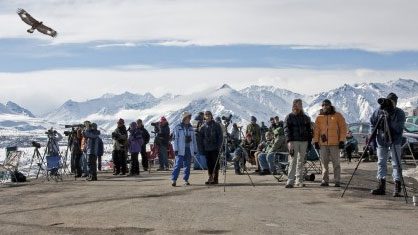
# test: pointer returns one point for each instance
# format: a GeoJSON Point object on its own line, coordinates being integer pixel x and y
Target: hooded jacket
{"type": "Point", "coordinates": [92, 141]}
{"type": "Point", "coordinates": [120, 139]}
{"type": "Point", "coordinates": [135, 139]}
{"type": "Point", "coordinates": [211, 136]}
{"type": "Point", "coordinates": [330, 127]}
{"type": "Point", "coordinates": [181, 131]}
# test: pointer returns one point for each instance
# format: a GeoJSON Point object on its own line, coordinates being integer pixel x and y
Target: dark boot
{"type": "Point", "coordinates": [397, 190]}
{"type": "Point", "coordinates": [215, 177]}
{"type": "Point", "coordinates": [210, 179]}
{"type": "Point", "coordinates": [381, 188]}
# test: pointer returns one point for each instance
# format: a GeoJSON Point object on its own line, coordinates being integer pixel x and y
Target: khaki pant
{"type": "Point", "coordinates": [297, 162]}
{"type": "Point", "coordinates": [327, 154]}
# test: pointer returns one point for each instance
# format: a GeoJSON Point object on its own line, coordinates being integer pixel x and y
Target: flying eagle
{"type": "Point", "coordinates": [38, 25]}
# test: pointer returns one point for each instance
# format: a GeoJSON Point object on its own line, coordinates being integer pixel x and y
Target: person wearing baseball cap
{"type": "Point", "coordinates": [385, 146]}
{"type": "Point", "coordinates": [185, 147]}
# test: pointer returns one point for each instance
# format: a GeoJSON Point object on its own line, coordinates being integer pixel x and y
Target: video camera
{"type": "Point", "coordinates": [36, 144]}
{"type": "Point", "coordinates": [75, 126]}
{"type": "Point", "coordinates": [385, 103]}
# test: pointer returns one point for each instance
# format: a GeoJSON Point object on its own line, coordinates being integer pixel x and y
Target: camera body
{"type": "Point", "coordinates": [227, 119]}
{"type": "Point", "coordinates": [36, 144]}
{"type": "Point", "coordinates": [384, 103]}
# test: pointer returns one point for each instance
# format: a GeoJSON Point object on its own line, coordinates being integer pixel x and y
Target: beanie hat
{"type": "Point", "coordinates": [327, 102]}
{"type": "Point", "coordinates": [121, 121]}
{"type": "Point", "coordinates": [163, 119]}
{"type": "Point", "coordinates": [253, 119]}
{"type": "Point", "coordinates": [392, 96]}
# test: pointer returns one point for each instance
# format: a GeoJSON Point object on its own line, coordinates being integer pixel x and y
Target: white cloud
{"type": "Point", "coordinates": [41, 91]}
{"type": "Point", "coordinates": [381, 25]}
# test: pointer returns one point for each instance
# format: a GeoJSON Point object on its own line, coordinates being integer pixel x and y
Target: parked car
{"type": "Point", "coordinates": [412, 119]}
{"type": "Point", "coordinates": [362, 130]}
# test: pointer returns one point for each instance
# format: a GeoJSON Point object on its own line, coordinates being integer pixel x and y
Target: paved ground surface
{"type": "Point", "coordinates": [150, 205]}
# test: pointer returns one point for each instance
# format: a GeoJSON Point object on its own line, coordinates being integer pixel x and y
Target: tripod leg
{"type": "Point", "coordinates": [412, 153]}
{"type": "Point", "coordinates": [399, 167]}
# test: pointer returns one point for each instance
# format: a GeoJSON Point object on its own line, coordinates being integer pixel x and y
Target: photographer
{"type": "Point", "coordinates": [162, 139]}
{"type": "Point", "coordinates": [135, 142]}
{"type": "Point", "coordinates": [235, 135]}
{"type": "Point", "coordinates": [76, 151]}
{"type": "Point", "coordinates": [298, 132]}
{"type": "Point", "coordinates": [329, 137]}
{"type": "Point", "coordinates": [146, 138]}
{"type": "Point", "coordinates": [54, 138]}
{"type": "Point", "coordinates": [242, 153]}
{"type": "Point", "coordinates": [185, 147]}
{"type": "Point", "coordinates": [212, 138]}
{"type": "Point", "coordinates": [395, 118]}
{"type": "Point", "coordinates": [91, 135]}
{"type": "Point", "coordinates": [120, 148]}
{"type": "Point", "coordinates": [263, 130]}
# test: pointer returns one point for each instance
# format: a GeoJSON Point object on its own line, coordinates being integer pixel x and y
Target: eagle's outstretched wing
{"type": "Point", "coordinates": [47, 30]}
{"type": "Point", "coordinates": [28, 19]}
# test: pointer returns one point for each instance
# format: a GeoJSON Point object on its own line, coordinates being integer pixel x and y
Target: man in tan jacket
{"type": "Point", "coordinates": [329, 137]}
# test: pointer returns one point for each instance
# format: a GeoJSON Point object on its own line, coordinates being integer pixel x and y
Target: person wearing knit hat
{"type": "Point", "coordinates": [162, 140]}
{"type": "Point", "coordinates": [329, 138]}
{"type": "Point", "coordinates": [385, 146]}
{"type": "Point", "coordinates": [211, 139]}
{"type": "Point", "coordinates": [185, 148]}
{"type": "Point", "coordinates": [120, 148]}
{"type": "Point", "coordinates": [241, 158]}
{"type": "Point", "coordinates": [298, 132]}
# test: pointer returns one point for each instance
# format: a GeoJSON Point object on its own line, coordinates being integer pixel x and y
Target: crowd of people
{"type": "Point", "coordinates": [259, 145]}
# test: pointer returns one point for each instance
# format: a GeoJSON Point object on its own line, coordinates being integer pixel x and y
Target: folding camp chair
{"type": "Point", "coordinates": [10, 164]}
{"type": "Point", "coordinates": [54, 168]}
{"type": "Point", "coordinates": [312, 164]}
{"type": "Point", "coordinates": [281, 160]}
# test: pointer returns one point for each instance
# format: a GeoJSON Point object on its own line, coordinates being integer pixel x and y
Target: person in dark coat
{"type": "Point", "coordinates": [135, 143]}
{"type": "Point", "coordinates": [146, 139]}
{"type": "Point", "coordinates": [211, 142]}
{"type": "Point", "coordinates": [162, 140]}
{"type": "Point", "coordinates": [92, 150]}
{"type": "Point", "coordinates": [120, 148]}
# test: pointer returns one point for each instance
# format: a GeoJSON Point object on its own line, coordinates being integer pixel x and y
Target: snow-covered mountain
{"type": "Point", "coordinates": [15, 109]}
{"type": "Point", "coordinates": [356, 102]}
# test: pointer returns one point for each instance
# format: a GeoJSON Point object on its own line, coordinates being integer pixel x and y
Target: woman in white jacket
{"type": "Point", "coordinates": [185, 147]}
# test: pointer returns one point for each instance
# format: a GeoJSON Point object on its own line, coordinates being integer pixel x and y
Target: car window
{"type": "Point", "coordinates": [354, 128]}
{"type": "Point", "coordinates": [365, 129]}
{"type": "Point", "coordinates": [410, 127]}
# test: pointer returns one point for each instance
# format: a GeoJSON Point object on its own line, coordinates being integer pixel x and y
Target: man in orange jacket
{"type": "Point", "coordinates": [329, 137]}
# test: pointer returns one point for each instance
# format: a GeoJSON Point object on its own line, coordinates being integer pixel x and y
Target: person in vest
{"type": "Point", "coordinates": [329, 137]}
{"type": "Point", "coordinates": [135, 143]}
{"type": "Point", "coordinates": [92, 149]}
{"type": "Point", "coordinates": [298, 132]}
{"type": "Point", "coordinates": [211, 142]}
{"type": "Point", "coordinates": [385, 145]}
{"type": "Point", "coordinates": [185, 147]}
{"type": "Point", "coordinates": [120, 147]}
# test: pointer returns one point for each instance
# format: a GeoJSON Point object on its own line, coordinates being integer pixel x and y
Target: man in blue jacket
{"type": "Point", "coordinates": [92, 149]}
{"type": "Point", "coordinates": [185, 147]}
{"type": "Point", "coordinates": [385, 144]}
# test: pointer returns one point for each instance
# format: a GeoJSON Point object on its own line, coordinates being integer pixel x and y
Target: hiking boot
{"type": "Point", "coordinates": [324, 184]}
{"type": "Point", "coordinates": [301, 185]}
{"type": "Point", "coordinates": [238, 173]}
{"type": "Point", "coordinates": [186, 183]}
{"type": "Point", "coordinates": [289, 186]}
{"type": "Point", "coordinates": [210, 180]}
{"type": "Point", "coordinates": [173, 183]}
{"type": "Point", "coordinates": [116, 173]}
{"type": "Point", "coordinates": [398, 188]}
{"type": "Point", "coordinates": [381, 188]}
{"type": "Point", "coordinates": [337, 184]}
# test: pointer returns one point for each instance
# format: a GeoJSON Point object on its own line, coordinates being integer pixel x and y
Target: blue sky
{"type": "Point", "coordinates": [183, 46]}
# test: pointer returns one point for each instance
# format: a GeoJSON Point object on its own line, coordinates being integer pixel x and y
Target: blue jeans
{"type": "Point", "coordinates": [267, 161]}
{"type": "Point", "coordinates": [84, 164]}
{"type": "Point", "coordinates": [382, 156]}
{"type": "Point", "coordinates": [179, 163]}
{"type": "Point", "coordinates": [163, 156]}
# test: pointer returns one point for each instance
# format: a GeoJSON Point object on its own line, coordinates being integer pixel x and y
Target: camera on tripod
{"type": "Point", "coordinates": [36, 144]}
{"type": "Point", "coordinates": [51, 132]}
{"type": "Point", "coordinates": [73, 129]}
{"type": "Point", "coordinates": [385, 103]}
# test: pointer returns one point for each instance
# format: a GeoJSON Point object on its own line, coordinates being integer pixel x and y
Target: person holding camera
{"type": "Point", "coordinates": [146, 139]}
{"type": "Point", "coordinates": [162, 140]}
{"type": "Point", "coordinates": [76, 150]}
{"type": "Point", "coordinates": [242, 153]}
{"type": "Point", "coordinates": [329, 138]}
{"type": "Point", "coordinates": [91, 135]}
{"type": "Point", "coordinates": [298, 133]}
{"type": "Point", "coordinates": [386, 143]}
{"type": "Point", "coordinates": [135, 143]}
{"type": "Point", "coordinates": [185, 147]}
{"type": "Point", "coordinates": [211, 142]}
{"type": "Point", "coordinates": [54, 137]}
{"type": "Point", "coordinates": [120, 148]}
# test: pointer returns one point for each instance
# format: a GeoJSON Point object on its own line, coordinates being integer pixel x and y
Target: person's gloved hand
{"type": "Point", "coordinates": [317, 145]}
{"type": "Point", "coordinates": [176, 153]}
{"type": "Point", "coordinates": [341, 145]}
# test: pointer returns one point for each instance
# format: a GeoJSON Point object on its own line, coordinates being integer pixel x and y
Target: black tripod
{"type": "Point", "coordinates": [224, 163]}
{"type": "Point", "coordinates": [36, 155]}
{"type": "Point", "coordinates": [382, 122]}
